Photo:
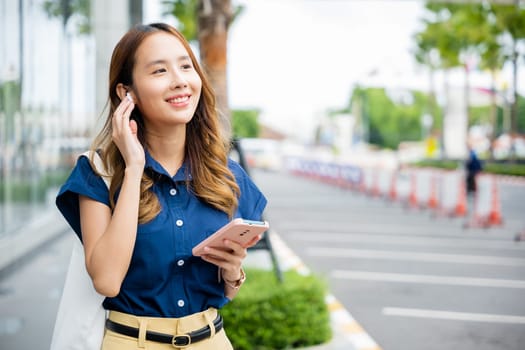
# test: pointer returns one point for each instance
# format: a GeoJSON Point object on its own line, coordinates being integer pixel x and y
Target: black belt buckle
{"type": "Point", "coordinates": [181, 341]}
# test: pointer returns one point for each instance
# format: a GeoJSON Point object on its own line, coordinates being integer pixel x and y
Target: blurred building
{"type": "Point", "coordinates": [54, 60]}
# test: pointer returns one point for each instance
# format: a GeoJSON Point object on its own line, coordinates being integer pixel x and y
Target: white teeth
{"type": "Point", "coordinates": [178, 99]}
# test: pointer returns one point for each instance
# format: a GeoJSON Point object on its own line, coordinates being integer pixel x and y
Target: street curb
{"type": "Point", "coordinates": [345, 328]}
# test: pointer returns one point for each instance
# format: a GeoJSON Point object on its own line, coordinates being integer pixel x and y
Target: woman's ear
{"type": "Point", "coordinates": [121, 91]}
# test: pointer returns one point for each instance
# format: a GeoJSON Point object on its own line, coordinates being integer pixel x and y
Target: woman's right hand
{"type": "Point", "coordinates": [125, 135]}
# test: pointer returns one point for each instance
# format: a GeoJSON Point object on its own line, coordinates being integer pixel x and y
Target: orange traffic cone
{"type": "Point", "coordinates": [494, 217]}
{"type": "Point", "coordinates": [393, 190]}
{"type": "Point", "coordinates": [412, 198]}
{"type": "Point", "coordinates": [432, 199]}
{"type": "Point", "coordinates": [490, 214]}
{"type": "Point", "coordinates": [461, 206]}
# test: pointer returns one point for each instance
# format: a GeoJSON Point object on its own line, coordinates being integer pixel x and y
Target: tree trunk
{"type": "Point", "coordinates": [467, 97]}
{"type": "Point", "coordinates": [493, 113]}
{"type": "Point", "coordinates": [214, 18]}
{"type": "Point", "coordinates": [514, 107]}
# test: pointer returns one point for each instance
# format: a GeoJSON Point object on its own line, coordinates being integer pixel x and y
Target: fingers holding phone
{"type": "Point", "coordinates": [228, 257]}
{"type": "Point", "coordinates": [227, 247]}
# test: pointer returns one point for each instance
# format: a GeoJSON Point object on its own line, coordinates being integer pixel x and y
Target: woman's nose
{"type": "Point", "coordinates": [178, 80]}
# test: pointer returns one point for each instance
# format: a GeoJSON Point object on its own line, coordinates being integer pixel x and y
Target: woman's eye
{"type": "Point", "coordinates": [187, 66]}
{"type": "Point", "coordinates": [160, 70]}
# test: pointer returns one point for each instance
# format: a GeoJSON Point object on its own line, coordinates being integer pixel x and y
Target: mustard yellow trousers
{"type": "Point", "coordinates": [183, 325]}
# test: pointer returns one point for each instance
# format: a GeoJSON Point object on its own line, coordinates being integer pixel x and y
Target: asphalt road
{"type": "Point", "coordinates": [410, 280]}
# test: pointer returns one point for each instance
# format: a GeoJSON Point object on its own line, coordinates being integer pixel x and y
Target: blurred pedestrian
{"type": "Point", "coordinates": [172, 185]}
{"type": "Point", "coordinates": [473, 167]}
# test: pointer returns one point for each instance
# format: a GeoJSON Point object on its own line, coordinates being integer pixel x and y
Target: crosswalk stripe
{"type": "Point", "coordinates": [452, 315]}
{"type": "Point", "coordinates": [413, 256]}
{"type": "Point", "coordinates": [428, 279]}
{"type": "Point", "coordinates": [403, 240]}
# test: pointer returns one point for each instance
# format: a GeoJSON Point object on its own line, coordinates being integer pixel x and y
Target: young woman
{"type": "Point", "coordinates": [171, 186]}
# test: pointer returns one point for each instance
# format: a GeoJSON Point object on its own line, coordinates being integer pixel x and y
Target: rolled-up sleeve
{"type": "Point", "coordinates": [82, 181]}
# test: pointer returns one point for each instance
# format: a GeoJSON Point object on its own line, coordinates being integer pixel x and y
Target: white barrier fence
{"type": "Point", "coordinates": [442, 191]}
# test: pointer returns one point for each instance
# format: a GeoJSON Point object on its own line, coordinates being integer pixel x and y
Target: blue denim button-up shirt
{"type": "Point", "coordinates": [164, 279]}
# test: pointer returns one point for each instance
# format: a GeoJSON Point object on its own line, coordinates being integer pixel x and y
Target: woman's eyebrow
{"type": "Point", "coordinates": [163, 61]}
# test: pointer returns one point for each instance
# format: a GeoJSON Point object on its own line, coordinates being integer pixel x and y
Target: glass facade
{"type": "Point", "coordinates": [47, 103]}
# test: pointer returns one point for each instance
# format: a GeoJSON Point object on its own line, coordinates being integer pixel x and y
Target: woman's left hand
{"type": "Point", "coordinates": [229, 258]}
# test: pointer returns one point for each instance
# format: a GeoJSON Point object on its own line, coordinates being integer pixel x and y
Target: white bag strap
{"type": "Point", "coordinates": [79, 324]}
{"type": "Point", "coordinates": [99, 166]}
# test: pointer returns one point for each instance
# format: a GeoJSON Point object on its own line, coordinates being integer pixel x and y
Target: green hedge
{"type": "Point", "coordinates": [500, 168]}
{"type": "Point", "coordinates": [505, 168]}
{"type": "Point", "coordinates": [442, 164]}
{"type": "Point", "coordinates": [268, 315]}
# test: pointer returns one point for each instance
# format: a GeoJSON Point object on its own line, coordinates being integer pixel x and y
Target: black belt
{"type": "Point", "coordinates": [181, 340]}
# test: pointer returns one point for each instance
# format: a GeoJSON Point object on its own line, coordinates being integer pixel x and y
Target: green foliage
{"type": "Point", "coordinates": [389, 121]}
{"type": "Point", "coordinates": [510, 19]}
{"type": "Point", "coordinates": [10, 97]}
{"type": "Point", "coordinates": [185, 11]}
{"type": "Point", "coordinates": [268, 315]}
{"type": "Point", "coordinates": [500, 168]}
{"type": "Point", "coordinates": [521, 114]}
{"type": "Point", "coordinates": [454, 34]}
{"type": "Point", "coordinates": [479, 115]}
{"type": "Point", "coordinates": [438, 163]}
{"type": "Point", "coordinates": [245, 123]}
{"type": "Point", "coordinates": [505, 169]}
{"type": "Point", "coordinates": [67, 9]}
{"type": "Point", "coordinates": [502, 114]}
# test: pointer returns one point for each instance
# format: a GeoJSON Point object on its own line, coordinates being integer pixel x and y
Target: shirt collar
{"type": "Point", "coordinates": [183, 174]}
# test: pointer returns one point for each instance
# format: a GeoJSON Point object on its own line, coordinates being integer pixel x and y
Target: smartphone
{"type": "Point", "coordinates": [238, 230]}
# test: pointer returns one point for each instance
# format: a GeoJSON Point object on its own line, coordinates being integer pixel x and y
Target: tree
{"type": "Point", "coordinates": [245, 123]}
{"type": "Point", "coordinates": [214, 19]}
{"type": "Point", "coordinates": [66, 9]}
{"type": "Point", "coordinates": [390, 120]}
{"type": "Point", "coordinates": [492, 32]}
{"type": "Point", "coordinates": [492, 59]}
{"type": "Point", "coordinates": [511, 19]}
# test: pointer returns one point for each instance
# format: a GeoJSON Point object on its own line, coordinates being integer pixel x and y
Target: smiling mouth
{"type": "Point", "coordinates": [178, 100]}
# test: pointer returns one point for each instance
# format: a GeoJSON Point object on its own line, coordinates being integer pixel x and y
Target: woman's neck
{"type": "Point", "coordinates": [168, 149]}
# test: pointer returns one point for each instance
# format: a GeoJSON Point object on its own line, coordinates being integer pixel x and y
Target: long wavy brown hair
{"type": "Point", "coordinates": [206, 151]}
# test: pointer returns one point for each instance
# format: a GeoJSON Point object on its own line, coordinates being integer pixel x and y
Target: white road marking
{"type": "Point", "coordinates": [427, 279]}
{"type": "Point", "coordinates": [408, 240]}
{"type": "Point", "coordinates": [452, 315]}
{"type": "Point", "coordinates": [413, 256]}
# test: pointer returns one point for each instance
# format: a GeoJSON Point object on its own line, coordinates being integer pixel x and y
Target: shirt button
{"type": "Point", "coordinates": [173, 191]}
{"type": "Point", "coordinates": [180, 262]}
{"type": "Point", "coordinates": [180, 303]}
{"type": "Point", "coordinates": [178, 223]}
